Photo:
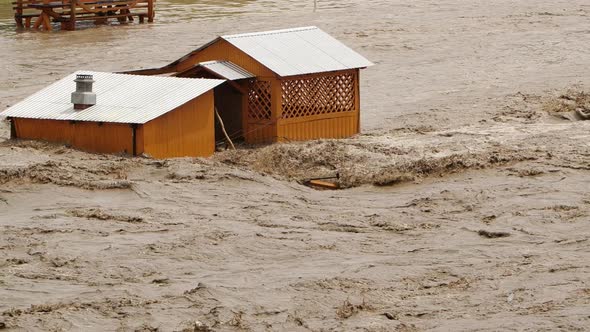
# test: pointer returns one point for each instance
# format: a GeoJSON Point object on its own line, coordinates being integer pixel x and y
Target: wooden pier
{"type": "Point", "coordinates": [39, 14]}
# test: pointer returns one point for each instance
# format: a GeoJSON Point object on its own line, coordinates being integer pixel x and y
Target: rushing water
{"type": "Point", "coordinates": [182, 10]}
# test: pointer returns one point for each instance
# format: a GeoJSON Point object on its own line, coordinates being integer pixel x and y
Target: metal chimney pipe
{"type": "Point", "coordinates": [83, 97]}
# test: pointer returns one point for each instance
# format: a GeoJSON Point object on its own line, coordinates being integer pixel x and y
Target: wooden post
{"type": "Point", "coordinates": [276, 107]}
{"type": "Point", "coordinates": [46, 21]}
{"type": "Point", "coordinates": [357, 98]}
{"type": "Point", "coordinates": [18, 15]}
{"type": "Point", "coordinates": [72, 21]}
{"type": "Point", "coordinates": [38, 21]}
{"type": "Point", "coordinates": [151, 11]}
{"type": "Point", "coordinates": [121, 19]}
{"type": "Point", "coordinates": [129, 16]}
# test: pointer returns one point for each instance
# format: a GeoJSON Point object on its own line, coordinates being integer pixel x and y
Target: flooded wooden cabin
{"type": "Point", "coordinates": [161, 117]}
{"type": "Point", "coordinates": [40, 14]}
{"type": "Point", "coordinates": [284, 85]}
{"type": "Point", "coordinates": [294, 84]}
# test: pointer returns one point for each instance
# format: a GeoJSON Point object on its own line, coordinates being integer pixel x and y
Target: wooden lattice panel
{"type": "Point", "coordinates": [318, 95]}
{"type": "Point", "coordinates": [259, 100]}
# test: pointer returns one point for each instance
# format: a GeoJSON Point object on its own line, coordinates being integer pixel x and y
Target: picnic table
{"type": "Point", "coordinates": [68, 12]}
{"type": "Point", "coordinates": [47, 12]}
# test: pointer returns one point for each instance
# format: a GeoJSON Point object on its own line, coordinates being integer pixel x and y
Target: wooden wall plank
{"type": "Point", "coordinates": [187, 131]}
{"type": "Point", "coordinates": [86, 136]}
{"type": "Point", "coordinates": [326, 127]}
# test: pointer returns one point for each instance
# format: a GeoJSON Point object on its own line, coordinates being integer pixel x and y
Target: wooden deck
{"type": "Point", "coordinates": [39, 14]}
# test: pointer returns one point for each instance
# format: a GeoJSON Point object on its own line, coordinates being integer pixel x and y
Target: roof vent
{"type": "Point", "coordinates": [83, 97]}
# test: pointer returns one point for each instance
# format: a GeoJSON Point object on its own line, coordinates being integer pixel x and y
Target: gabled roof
{"type": "Point", "coordinates": [120, 98]}
{"type": "Point", "coordinates": [227, 70]}
{"type": "Point", "coordinates": [296, 51]}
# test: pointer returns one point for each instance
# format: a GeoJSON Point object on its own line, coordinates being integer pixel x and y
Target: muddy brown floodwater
{"type": "Point", "coordinates": [466, 205]}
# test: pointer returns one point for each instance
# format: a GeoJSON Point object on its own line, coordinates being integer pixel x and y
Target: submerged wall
{"type": "Point", "coordinates": [86, 136]}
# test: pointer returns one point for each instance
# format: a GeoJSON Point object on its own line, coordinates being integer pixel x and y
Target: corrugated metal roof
{"type": "Point", "coordinates": [227, 70]}
{"type": "Point", "coordinates": [298, 51]}
{"type": "Point", "coordinates": [120, 98]}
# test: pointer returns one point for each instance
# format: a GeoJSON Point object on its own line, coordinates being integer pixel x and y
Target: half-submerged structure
{"type": "Point", "coordinates": [115, 113]}
{"type": "Point", "coordinates": [294, 84]}
{"type": "Point", "coordinates": [39, 14]}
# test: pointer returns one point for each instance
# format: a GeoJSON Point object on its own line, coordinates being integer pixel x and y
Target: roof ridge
{"type": "Point", "coordinates": [270, 32]}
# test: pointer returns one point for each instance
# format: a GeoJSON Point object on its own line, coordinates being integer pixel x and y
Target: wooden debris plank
{"type": "Point", "coordinates": [323, 184]}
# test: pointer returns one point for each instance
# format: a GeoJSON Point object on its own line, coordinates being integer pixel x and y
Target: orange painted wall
{"type": "Point", "coordinates": [339, 125]}
{"type": "Point", "coordinates": [187, 131]}
{"type": "Point", "coordinates": [260, 132]}
{"type": "Point", "coordinates": [87, 136]}
{"type": "Point", "coordinates": [106, 138]}
{"type": "Point", "coordinates": [222, 50]}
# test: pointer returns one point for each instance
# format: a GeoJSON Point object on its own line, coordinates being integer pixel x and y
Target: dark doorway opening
{"type": "Point", "coordinates": [228, 102]}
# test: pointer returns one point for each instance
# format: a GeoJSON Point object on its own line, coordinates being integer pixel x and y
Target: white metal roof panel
{"type": "Point", "coordinates": [120, 98]}
{"type": "Point", "coordinates": [227, 70]}
{"type": "Point", "coordinates": [298, 51]}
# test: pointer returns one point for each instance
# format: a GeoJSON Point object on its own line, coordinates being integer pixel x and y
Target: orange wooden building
{"type": "Point", "coordinates": [115, 113]}
{"type": "Point", "coordinates": [294, 84]}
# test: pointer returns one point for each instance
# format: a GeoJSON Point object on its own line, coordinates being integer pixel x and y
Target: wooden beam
{"type": "Point", "coordinates": [53, 14]}
{"type": "Point", "coordinates": [46, 21]}
{"type": "Point", "coordinates": [321, 74]}
{"type": "Point", "coordinates": [38, 22]}
{"type": "Point", "coordinates": [223, 129]}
